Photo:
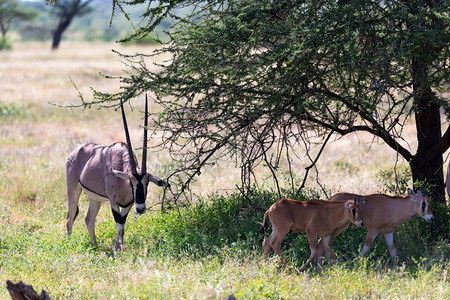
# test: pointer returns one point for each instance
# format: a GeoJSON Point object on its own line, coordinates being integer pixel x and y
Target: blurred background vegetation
{"type": "Point", "coordinates": [37, 20]}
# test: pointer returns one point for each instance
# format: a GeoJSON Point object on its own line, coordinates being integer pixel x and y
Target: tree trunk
{"type": "Point", "coordinates": [430, 172]}
{"type": "Point", "coordinates": [57, 34]}
{"type": "Point", "coordinates": [427, 163]}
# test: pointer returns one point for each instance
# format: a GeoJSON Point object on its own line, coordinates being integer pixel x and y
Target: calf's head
{"type": "Point", "coordinates": [353, 210]}
{"type": "Point", "coordinates": [139, 179]}
{"type": "Point", "coordinates": [421, 203]}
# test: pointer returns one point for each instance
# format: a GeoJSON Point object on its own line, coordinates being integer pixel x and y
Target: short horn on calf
{"type": "Point", "coordinates": [424, 190]}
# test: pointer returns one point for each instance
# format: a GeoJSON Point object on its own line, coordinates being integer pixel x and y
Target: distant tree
{"type": "Point", "coordinates": [252, 80]}
{"type": "Point", "coordinates": [65, 11]}
{"type": "Point", "coordinates": [12, 10]}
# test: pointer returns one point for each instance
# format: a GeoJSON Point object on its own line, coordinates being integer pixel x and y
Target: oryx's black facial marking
{"type": "Point", "coordinates": [140, 191]}
{"type": "Point", "coordinates": [354, 213]}
{"type": "Point", "coordinates": [140, 196]}
{"type": "Point", "coordinates": [424, 205]}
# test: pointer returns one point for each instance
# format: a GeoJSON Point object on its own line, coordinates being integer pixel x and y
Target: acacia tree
{"type": "Point", "coordinates": [65, 11]}
{"type": "Point", "coordinates": [251, 79]}
{"type": "Point", "coordinates": [11, 10]}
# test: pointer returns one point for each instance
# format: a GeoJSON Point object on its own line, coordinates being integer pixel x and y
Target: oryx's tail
{"type": "Point", "coordinates": [264, 224]}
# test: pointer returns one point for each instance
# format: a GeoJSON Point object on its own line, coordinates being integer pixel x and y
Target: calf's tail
{"type": "Point", "coordinates": [264, 224]}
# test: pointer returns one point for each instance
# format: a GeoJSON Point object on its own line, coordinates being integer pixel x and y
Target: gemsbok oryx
{"type": "Point", "coordinates": [383, 213]}
{"type": "Point", "coordinates": [108, 173]}
{"type": "Point", "coordinates": [315, 217]}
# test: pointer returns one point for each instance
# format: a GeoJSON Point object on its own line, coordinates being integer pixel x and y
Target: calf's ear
{"type": "Point", "coordinates": [413, 195]}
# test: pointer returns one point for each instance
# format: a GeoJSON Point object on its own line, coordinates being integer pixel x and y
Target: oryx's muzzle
{"type": "Point", "coordinates": [140, 208]}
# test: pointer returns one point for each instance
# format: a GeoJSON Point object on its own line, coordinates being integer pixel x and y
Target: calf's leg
{"type": "Point", "coordinates": [266, 245]}
{"type": "Point", "coordinates": [276, 239]}
{"type": "Point", "coordinates": [330, 254]}
{"type": "Point", "coordinates": [312, 239]}
{"type": "Point", "coordinates": [389, 238]}
{"type": "Point", "coordinates": [325, 247]}
{"type": "Point", "coordinates": [371, 234]}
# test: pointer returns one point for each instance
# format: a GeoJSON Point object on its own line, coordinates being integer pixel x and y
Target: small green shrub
{"type": "Point", "coordinates": [202, 229]}
{"type": "Point", "coordinates": [347, 167]}
{"type": "Point", "coordinates": [4, 44]}
{"type": "Point", "coordinates": [395, 180]}
{"type": "Point", "coordinates": [12, 110]}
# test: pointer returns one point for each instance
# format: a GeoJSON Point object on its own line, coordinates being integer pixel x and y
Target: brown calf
{"type": "Point", "coordinates": [315, 217]}
{"type": "Point", "coordinates": [383, 213]}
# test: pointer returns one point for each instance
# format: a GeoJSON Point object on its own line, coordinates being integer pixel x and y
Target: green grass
{"type": "Point", "coordinates": [206, 252]}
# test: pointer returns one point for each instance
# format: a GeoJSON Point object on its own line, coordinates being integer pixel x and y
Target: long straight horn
{"type": "Point", "coordinates": [144, 143]}
{"type": "Point", "coordinates": [127, 136]}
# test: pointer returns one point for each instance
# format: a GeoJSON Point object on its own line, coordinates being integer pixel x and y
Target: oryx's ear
{"type": "Point", "coordinates": [158, 181]}
{"type": "Point", "coordinates": [121, 174]}
{"type": "Point", "coordinates": [410, 192]}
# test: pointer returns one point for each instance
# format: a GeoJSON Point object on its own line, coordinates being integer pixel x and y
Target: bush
{"type": "Point", "coordinates": [4, 45]}
{"type": "Point", "coordinates": [395, 180]}
{"type": "Point", "coordinates": [202, 229]}
{"type": "Point", "coordinates": [12, 110]}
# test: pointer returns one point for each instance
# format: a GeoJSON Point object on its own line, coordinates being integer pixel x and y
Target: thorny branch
{"type": "Point", "coordinates": [313, 162]}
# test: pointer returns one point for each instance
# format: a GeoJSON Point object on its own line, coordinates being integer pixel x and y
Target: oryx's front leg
{"type": "Point", "coordinates": [120, 216]}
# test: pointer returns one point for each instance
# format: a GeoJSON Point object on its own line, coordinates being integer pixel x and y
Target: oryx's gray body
{"type": "Point", "coordinates": [91, 167]}
{"type": "Point", "coordinates": [107, 174]}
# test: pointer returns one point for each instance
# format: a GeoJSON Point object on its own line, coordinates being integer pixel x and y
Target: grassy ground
{"type": "Point", "coordinates": [211, 251]}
